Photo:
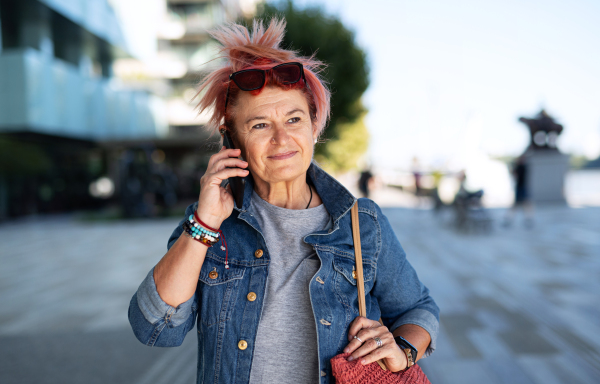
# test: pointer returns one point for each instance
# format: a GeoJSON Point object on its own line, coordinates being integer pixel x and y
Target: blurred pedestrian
{"type": "Point", "coordinates": [522, 200]}
{"type": "Point", "coordinates": [416, 171]}
{"type": "Point", "coordinates": [278, 298]}
{"type": "Point", "coordinates": [363, 182]}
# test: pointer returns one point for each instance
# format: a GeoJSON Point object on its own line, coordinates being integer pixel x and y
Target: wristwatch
{"type": "Point", "coordinates": [408, 348]}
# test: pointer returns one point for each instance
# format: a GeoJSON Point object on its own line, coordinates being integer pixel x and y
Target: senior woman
{"type": "Point", "coordinates": [271, 284]}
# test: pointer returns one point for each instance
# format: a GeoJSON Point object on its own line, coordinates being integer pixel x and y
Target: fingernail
{"type": "Point", "coordinates": [346, 350]}
{"type": "Point", "coordinates": [350, 358]}
{"type": "Point", "coordinates": [363, 362]}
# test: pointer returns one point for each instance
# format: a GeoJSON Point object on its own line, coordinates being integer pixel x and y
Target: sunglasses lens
{"type": "Point", "coordinates": [288, 74]}
{"type": "Point", "coordinates": [250, 80]}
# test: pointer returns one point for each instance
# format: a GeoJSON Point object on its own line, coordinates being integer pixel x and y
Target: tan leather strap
{"type": "Point", "coordinates": [360, 280]}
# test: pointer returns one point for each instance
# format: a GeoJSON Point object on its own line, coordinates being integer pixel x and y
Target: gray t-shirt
{"type": "Point", "coordinates": [286, 342]}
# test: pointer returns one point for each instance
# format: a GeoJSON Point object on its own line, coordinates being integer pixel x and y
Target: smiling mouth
{"type": "Point", "coordinates": [283, 156]}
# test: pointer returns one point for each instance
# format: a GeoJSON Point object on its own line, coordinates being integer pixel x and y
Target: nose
{"type": "Point", "coordinates": [280, 135]}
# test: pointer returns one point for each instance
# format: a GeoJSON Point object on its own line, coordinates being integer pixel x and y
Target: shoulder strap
{"type": "Point", "coordinates": [360, 280]}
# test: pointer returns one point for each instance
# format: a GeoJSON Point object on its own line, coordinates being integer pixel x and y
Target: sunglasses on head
{"type": "Point", "coordinates": [253, 79]}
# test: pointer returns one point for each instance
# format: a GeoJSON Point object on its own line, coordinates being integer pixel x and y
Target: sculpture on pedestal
{"type": "Point", "coordinates": [544, 131]}
{"type": "Point", "coordinates": [546, 166]}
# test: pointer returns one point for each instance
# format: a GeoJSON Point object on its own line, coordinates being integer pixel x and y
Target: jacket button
{"type": "Point", "coordinates": [251, 296]}
{"type": "Point", "coordinates": [354, 275]}
{"type": "Point", "coordinates": [242, 345]}
{"type": "Point", "coordinates": [258, 253]}
{"type": "Point", "coordinates": [323, 373]}
{"type": "Point", "coordinates": [213, 275]}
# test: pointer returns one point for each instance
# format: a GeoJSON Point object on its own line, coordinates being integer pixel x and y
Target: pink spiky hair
{"type": "Point", "coordinates": [242, 50]}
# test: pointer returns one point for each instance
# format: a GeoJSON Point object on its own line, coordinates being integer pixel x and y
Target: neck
{"type": "Point", "coordinates": [294, 194]}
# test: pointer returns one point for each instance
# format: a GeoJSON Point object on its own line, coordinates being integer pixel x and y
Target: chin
{"type": "Point", "coordinates": [287, 172]}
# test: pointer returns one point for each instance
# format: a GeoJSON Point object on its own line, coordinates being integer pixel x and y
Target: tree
{"type": "Point", "coordinates": [311, 31]}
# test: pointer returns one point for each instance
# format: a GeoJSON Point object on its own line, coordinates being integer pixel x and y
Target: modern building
{"type": "Point", "coordinates": [78, 127]}
{"type": "Point", "coordinates": [184, 51]}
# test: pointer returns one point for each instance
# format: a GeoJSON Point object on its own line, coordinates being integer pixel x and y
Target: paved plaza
{"type": "Point", "coordinates": [518, 305]}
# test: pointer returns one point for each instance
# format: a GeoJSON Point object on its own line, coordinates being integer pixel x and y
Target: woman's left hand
{"type": "Point", "coordinates": [366, 348]}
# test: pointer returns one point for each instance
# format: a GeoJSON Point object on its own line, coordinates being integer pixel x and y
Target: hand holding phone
{"type": "Point", "coordinates": [236, 183]}
{"type": "Point", "coordinates": [216, 203]}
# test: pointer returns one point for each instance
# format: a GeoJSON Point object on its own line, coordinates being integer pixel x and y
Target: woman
{"type": "Point", "coordinates": [272, 282]}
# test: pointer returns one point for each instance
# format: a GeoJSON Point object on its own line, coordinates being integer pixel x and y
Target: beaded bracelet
{"type": "Point", "coordinates": [202, 237]}
{"type": "Point", "coordinates": [201, 228]}
{"type": "Point", "coordinates": [198, 230]}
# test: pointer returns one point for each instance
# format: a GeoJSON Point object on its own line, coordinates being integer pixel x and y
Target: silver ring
{"type": "Point", "coordinates": [356, 337]}
{"type": "Point", "coordinates": [378, 341]}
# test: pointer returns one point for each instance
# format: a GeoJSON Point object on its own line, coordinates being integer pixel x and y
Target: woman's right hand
{"type": "Point", "coordinates": [215, 203]}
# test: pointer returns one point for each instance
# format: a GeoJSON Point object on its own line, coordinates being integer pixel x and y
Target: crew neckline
{"type": "Point", "coordinates": [265, 204]}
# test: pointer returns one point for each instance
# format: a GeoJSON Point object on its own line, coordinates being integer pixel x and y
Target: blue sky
{"type": "Point", "coordinates": [454, 76]}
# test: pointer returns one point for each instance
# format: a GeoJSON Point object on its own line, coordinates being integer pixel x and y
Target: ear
{"type": "Point", "coordinates": [315, 133]}
{"type": "Point", "coordinates": [222, 129]}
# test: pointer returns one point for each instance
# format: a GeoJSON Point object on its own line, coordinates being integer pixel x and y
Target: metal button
{"type": "Point", "coordinates": [354, 275]}
{"type": "Point", "coordinates": [251, 296]}
{"type": "Point", "coordinates": [213, 274]}
{"type": "Point", "coordinates": [323, 373]}
{"type": "Point", "coordinates": [258, 253]}
{"type": "Point", "coordinates": [242, 345]}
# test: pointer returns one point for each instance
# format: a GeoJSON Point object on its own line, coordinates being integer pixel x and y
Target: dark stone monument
{"type": "Point", "coordinates": [547, 166]}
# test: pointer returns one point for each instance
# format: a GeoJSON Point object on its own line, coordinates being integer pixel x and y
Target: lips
{"type": "Point", "coordinates": [283, 156]}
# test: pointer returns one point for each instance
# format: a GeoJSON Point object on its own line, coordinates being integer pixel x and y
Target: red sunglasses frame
{"type": "Point", "coordinates": [233, 76]}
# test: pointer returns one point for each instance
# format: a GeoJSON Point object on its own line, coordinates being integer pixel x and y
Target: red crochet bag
{"type": "Point", "coordinates": [353, 372]}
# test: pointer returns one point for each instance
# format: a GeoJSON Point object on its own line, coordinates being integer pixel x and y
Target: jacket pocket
{"type": "Point", "coordinates": [345, 278]}
{"type": "Point", "coordinates": [218, 290]}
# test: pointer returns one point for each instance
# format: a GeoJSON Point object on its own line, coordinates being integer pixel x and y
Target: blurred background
{"type": "Point", "coordinates": [475, 125]}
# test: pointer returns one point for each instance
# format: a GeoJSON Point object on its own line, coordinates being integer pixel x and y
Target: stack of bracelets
{"type": "Point", "coordinates": [199, 231]}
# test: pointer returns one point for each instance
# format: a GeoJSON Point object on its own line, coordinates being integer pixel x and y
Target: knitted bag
{"type": "Point", "coordinates": [353, 372]}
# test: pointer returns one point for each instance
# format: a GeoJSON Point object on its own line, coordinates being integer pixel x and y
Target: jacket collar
{"type": "Point", "coordinates": [336, 198]}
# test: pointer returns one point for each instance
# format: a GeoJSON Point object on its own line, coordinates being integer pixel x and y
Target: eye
{"type": "Point", "coordinates": [259, 126]}
{"type": "Point", "coordinates": [294, 120]}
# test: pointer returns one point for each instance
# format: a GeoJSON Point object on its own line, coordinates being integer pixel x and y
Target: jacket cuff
{"type": "Point", "coordinates": [423, 319]}
{"type": "Point", "coordinates": [154, 308]}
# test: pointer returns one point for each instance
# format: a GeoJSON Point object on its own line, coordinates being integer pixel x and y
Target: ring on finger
{"type": "Point", "coordinates": [357, 338]}
{"type": "Point", "coordinates": [378, 341]}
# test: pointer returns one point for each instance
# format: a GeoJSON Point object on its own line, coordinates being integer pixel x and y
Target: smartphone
{"type": "Point", "coordinates": [236, 183]}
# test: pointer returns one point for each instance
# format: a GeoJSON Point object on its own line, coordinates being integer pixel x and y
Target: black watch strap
{"type": "Point", "coordinates": [404, 344]}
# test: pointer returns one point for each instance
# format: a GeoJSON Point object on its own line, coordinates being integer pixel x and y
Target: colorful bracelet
{"type": "Point", "coordinates": [200, 240]}
{"type": "Point", "coordinates": [198, 230]}
{"type": "Point", "coordinates": [202, 236]}
{"type": "Point", "coordinates": [201, 228]}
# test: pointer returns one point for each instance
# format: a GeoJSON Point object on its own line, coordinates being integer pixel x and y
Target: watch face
{"type": "Point", "coordinates": [411, 359]}
{"type": "Point", "coordinates": [404, 344]}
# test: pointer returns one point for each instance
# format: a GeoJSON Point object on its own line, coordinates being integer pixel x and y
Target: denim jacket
{"type": "Point", "coordinates": [227, 321]}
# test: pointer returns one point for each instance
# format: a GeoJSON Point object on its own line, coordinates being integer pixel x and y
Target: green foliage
{"type": "Point", "coordinates": [311, 31]}
{"type": "Point", "coordinates": [578, 161]}
{"type": "Point", "coordinates": [344, 152]}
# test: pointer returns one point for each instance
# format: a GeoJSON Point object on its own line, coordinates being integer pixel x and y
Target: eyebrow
{"type": "Point", "coordinates": [287, 114]}
{"type": "Point", "coordinates": [254, 118]}
{"type": "Point", "coordinates": [294, 111]}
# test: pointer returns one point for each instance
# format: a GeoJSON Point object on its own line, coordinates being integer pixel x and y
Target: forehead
{"type": "Point", "coordinates": [271, 101]}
